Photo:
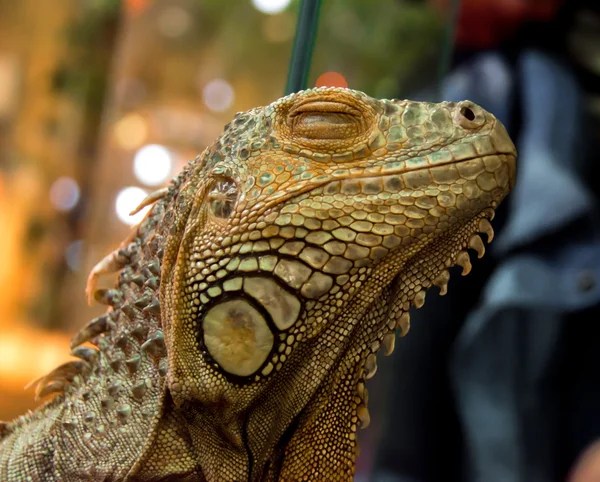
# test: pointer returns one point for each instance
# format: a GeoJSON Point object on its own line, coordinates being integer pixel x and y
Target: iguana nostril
{"type": "Point", "coordinates": [467, 113]}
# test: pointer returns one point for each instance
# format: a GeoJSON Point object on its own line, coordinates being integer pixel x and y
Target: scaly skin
{"type": "Point", "coordinates": [253, 298]}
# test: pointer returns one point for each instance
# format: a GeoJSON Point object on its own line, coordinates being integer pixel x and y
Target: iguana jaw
{"type": "Point", "coordinates": [338, 405]}
{"type": "Point", "coordinates": [402, 278]}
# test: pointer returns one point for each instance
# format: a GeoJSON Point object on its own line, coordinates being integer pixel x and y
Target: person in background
{"type": "Point", "coordinates": [499, 381]}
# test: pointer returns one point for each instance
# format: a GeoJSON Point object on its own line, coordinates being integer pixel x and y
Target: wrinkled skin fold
{"type": "Point", "coordinates": [253, 299]}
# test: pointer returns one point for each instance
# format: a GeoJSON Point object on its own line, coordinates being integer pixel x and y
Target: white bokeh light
{"type": "Point", "coordinates": [152, 164]}
{"type": "Point", "coordinates": [64, 193]}
{"type": "Point", "coordinates": [271, 7]}
{"type": "Point", "coordinates": [174, 21]}
{"type": "Point", "coordinates": [218, 95]}
{"type": "Point", "coordinates": [127, 200]}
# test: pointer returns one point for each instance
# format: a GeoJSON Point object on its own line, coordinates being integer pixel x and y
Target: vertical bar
{"type": "Point", "coordinates": [448, 46]}
{"type": "Point", "coordinates": [304, 42]}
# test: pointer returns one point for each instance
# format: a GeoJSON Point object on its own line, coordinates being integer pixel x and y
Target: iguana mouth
{"type": "Point", "coordinates": [400, 179]}
{"type": "Point", "coordinates": [393, 178]}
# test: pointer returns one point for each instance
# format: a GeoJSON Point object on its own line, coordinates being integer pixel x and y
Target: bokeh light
{"type": "Point", "coordinates": [74, 254]}
{"type": "Point", "coordinates": [152, 164]}
{"type": "Point", "coordinates": [49, 357]}
{"type": "Point", "coordinates": [218, 95]}
{"type": "Point", "coordinates": [10, 351]}
{"type": "Point", "coordinates": [135, 7]}
{"type": "Point", "coordinates": [131, 131]}
{"type": "Point", "coordinates": [27, 354]}
{"type": "Point", "coordinates": [278, 28]}
{"type": "Point", "coordinates": [331, 79]}
{"type": "Point", "coordinates": [271, 6]}
{"type": "Point", "coordinates": [127, 200]}
{"type": "Point", "coordinates": [9, 84]}
{"type": "Point", "coordinates": [64, 193]}
{"type": "Point", "coordinates": [174, 21]}
{"type": "Point", "coordinates": [130, 92]}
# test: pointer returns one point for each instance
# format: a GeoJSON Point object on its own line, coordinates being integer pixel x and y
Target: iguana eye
{"type": "Point", "coordinates": [325, 120]}
{"type": "Point", "coordinates": [222, 198]}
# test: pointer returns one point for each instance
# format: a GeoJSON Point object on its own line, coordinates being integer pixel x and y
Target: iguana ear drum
{"type": "Point", "coordinates": [239, 331]}
{"type": "Point", "coordinates": [237, 337]}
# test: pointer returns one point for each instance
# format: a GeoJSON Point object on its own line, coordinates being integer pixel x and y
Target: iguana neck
{"type": "Point", "coordinates": [318, 398]}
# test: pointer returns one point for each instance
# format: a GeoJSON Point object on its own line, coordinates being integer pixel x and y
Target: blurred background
{"type": "Point", "coordinates": [103, 101]}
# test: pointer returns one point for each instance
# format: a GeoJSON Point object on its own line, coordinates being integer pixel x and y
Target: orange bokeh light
{"type": "Point", "coordinates": [331, 79]}
{"type": "Point", "coordinates": [27, 354]}
{"type": "Point", "coordinates": [135, 7]}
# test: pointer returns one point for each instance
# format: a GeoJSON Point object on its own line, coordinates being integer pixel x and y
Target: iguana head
{"type": "Point", "coordinates": [305, 233]}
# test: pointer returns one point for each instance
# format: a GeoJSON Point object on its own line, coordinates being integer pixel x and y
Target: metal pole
{"type": "Point", "coordinates": [448, 46]}
{"type": "Point", "coordinates": [304, 42]}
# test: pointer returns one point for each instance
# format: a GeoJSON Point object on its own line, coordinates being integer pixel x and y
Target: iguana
{"type": "Point", "coordinates": [254, 296]}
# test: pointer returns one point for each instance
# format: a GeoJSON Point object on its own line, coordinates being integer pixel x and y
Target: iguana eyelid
{"type": "Point", "coordinates": [320, 107]}
{"type": "Point", "coordinates": [326, 125]}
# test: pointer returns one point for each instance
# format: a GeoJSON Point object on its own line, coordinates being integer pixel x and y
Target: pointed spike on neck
{"type": "Point", "coordinates": [403, 323]}
{"type": "Point", "coordinates": [88, 354]}
{"type": "Point", "coordinates": [112, 297]}
{"type": "Point", "coordinates": [94, 328]}
{"type": "Point", "coordinates": [362, 412]}
{"type": "Point", "coordinates": [389, 343]}
{"type": "Point", "coordinates": [155, 346]}
{"type": "Point", "coordinates": [370, 366]}
{"type": "Point", "coordinates": [476, 244]}
{"type": "Point", "coordinates": [42, 391]}
{"type": "Point", "coordinates": [441, 281]}
{"type": "Point", "coordinates": [419, 299]}
{"type": "Point", "coordinates": [486, 228]}
{"type": "Point", "coordinates": [464, 261]}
